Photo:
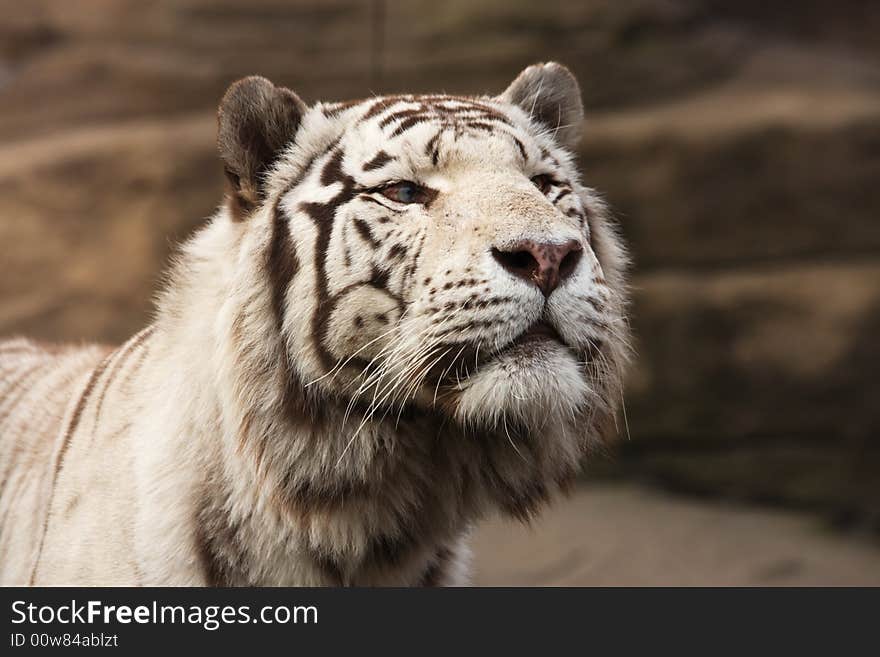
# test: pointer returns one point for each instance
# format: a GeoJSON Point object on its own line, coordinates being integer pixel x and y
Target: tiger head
{"type": "Point", "coordinates": [433, 252]}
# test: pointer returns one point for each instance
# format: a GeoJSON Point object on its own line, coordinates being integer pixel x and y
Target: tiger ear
{"type": "Point", "coordinates": [255, 121]}
{"type": "Point", "coordinates": [550, 95]}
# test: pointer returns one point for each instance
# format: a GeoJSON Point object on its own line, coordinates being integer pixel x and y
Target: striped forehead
{"type": "Point", "coordinates": [432, 122]}
{"type": "Point", "coordinates": [394, 115]}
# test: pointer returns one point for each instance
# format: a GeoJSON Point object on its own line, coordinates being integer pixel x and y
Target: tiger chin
{"type": "Point", "coordinates": [408, 313]}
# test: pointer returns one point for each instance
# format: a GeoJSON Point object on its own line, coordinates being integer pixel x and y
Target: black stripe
{"type": "Point", "coordinates": [364, 231]}
{"type": "Point", "coordinates": [409, 123]}
{"type": "Point", "coordinates": [382, 158]}
{"type": "Point", "coordinates": [562, 194]}
{"type": "Point", "coordinates": [432, 149]}
{"type": "Point", "coordinates": [421, 110]}
{"type": "Point", "coordinates": [381, 105]}
{"type": "Point", "coordinates": [522, 149]}
{"type": "Point", "coordinates": [323, 215]}
{"type": "Point", "coordinates": [281, 263]}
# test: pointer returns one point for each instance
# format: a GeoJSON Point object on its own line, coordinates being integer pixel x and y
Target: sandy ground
{"type": "Point", "coordinates": [628, 535]}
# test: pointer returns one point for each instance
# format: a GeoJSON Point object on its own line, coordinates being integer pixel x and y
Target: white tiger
{"type": "Point", "coordinates": [408, 313]}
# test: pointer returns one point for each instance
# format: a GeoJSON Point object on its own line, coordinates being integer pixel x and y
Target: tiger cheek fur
{"type": "Point", "coordinates": [409, 313]}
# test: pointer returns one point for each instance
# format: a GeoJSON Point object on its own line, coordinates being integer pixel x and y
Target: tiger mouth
{"type": "Point", "coordinates": [540, 331]}
{"type": "Point", "coordinates": [464, 363]}
{"type": "Point", "coordinates": [542, 334]}
{"type": "Point", "coordinates": [457, 365]}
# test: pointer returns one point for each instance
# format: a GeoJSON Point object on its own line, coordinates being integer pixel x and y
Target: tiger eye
{"type": "Point", "coordinates": [405, 192]}
{"type": "Point", "coordinates": [543, 182]}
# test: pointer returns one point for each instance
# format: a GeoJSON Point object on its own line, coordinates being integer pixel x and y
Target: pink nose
{"type": "Point", "coordinates": [544, 264]}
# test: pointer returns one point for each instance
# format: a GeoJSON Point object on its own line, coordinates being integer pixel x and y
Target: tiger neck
{"type": "Point", "coordinates": [389, 520]}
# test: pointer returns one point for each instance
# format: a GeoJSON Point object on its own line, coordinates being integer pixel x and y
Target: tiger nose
{"type": "Point", "coordinates": [543, 263]}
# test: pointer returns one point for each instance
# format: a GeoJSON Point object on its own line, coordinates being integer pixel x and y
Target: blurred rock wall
{"type": "Point", "coordinates": [739, 144]}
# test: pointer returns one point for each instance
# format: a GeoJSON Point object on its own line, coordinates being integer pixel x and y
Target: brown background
{"type": "Point", "coordinates": [738, 142]}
